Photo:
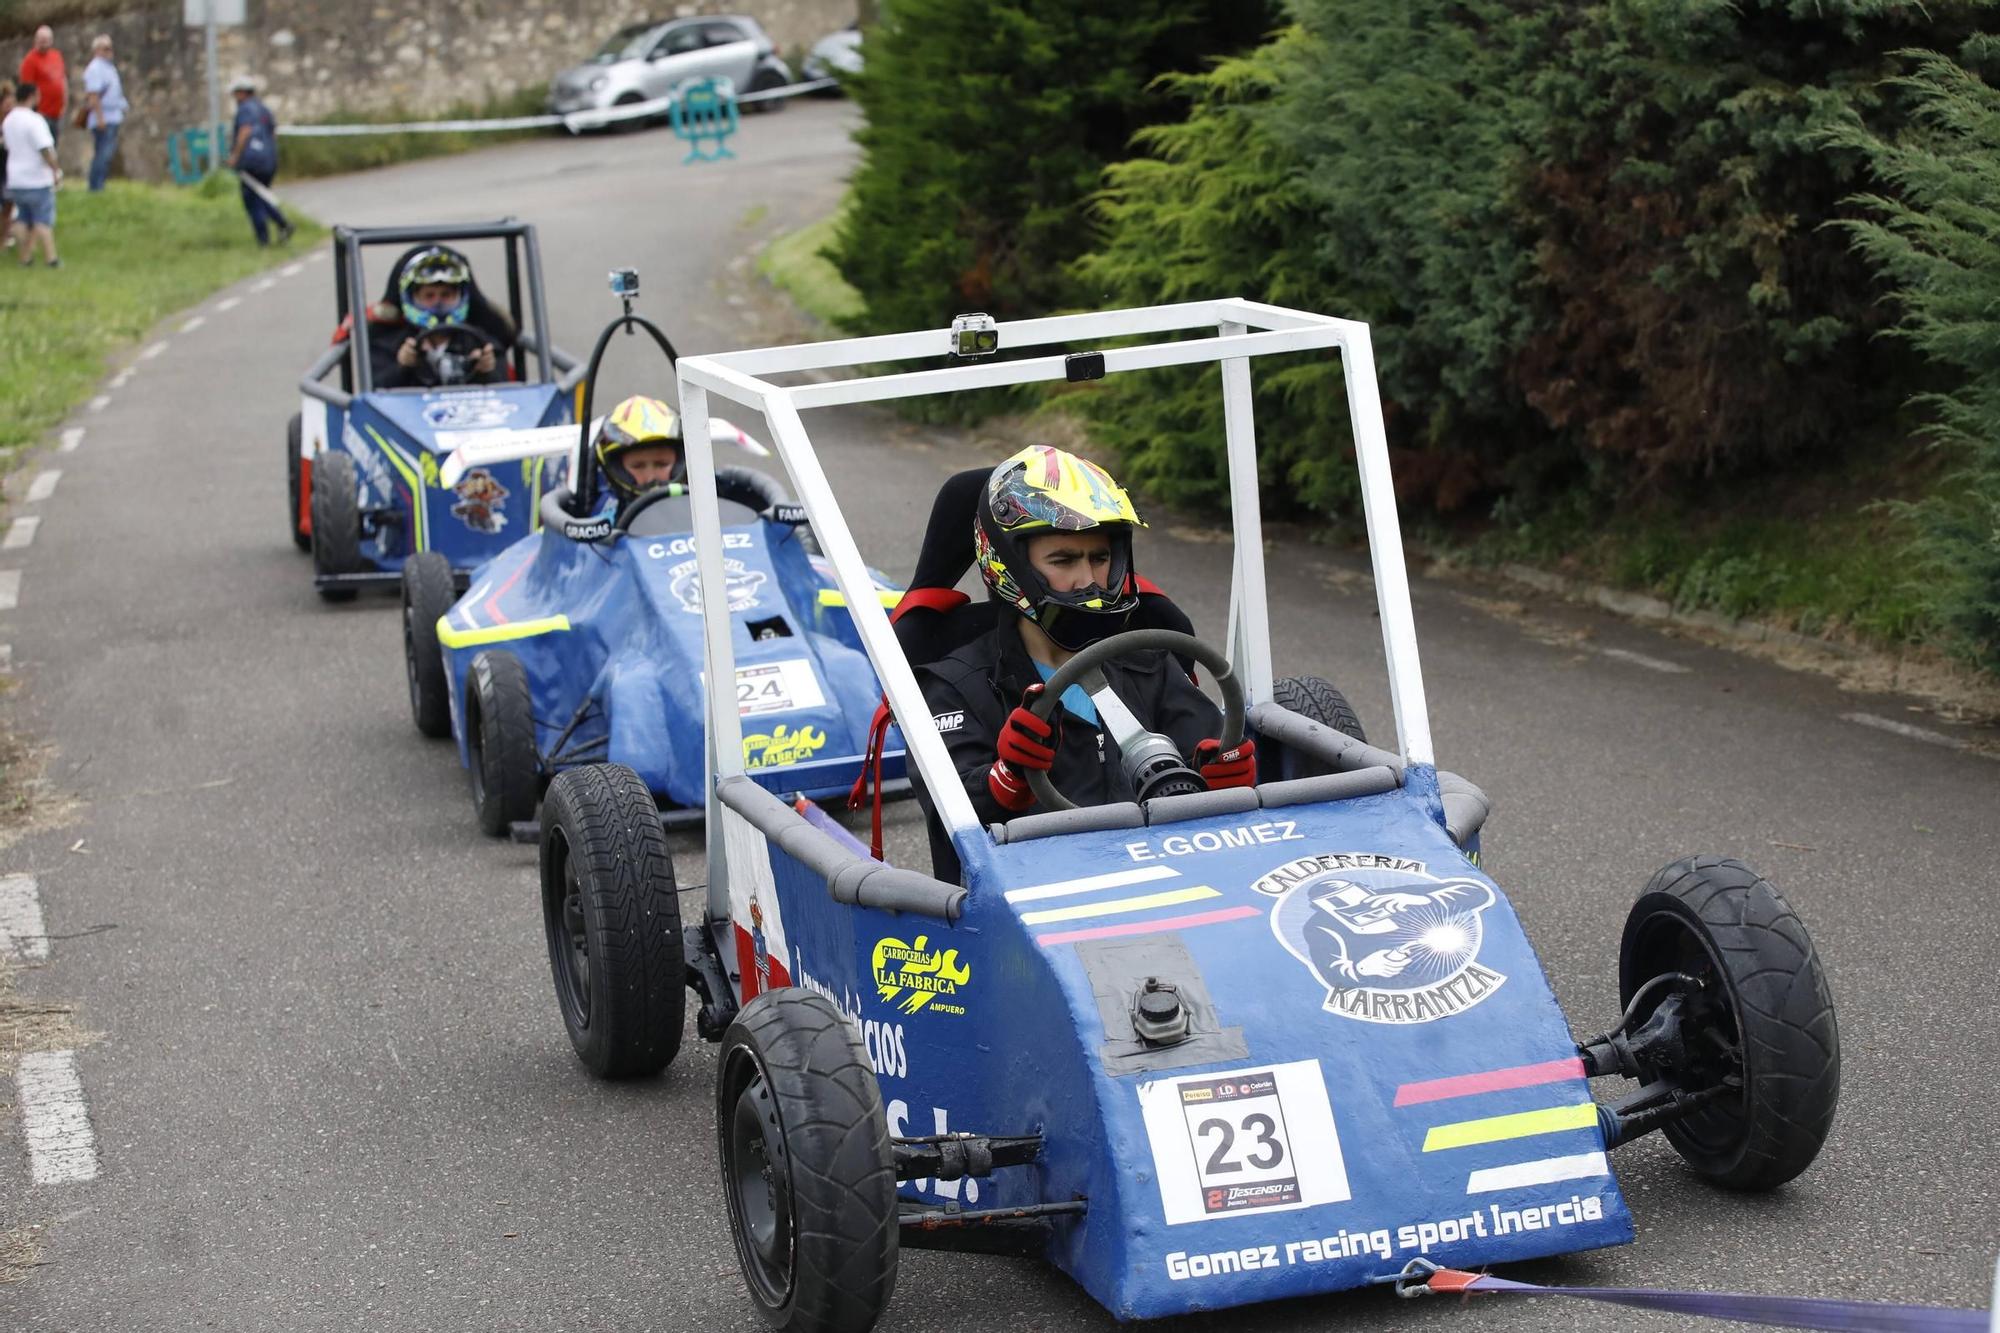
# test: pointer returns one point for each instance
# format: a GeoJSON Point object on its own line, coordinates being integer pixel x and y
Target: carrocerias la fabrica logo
{"type": "Point", "coordinates": [1391, 942]}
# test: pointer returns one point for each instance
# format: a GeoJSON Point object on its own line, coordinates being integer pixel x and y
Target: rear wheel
{"type": "Point", "coordinates": [613, 922]}
{"type": "Point", "coordinates": [427, 595]}
{"type": "Point", "coordinates": [1757, 1024]}
{"type": "Point", "coordinates": [336, 521]}
{"type": "Point", "coordinates": [764, 80]}
{"type": "Point", "coordinates": [806, 1165]}
{"type": "Point", "coordinates": [500, 732]}
{"type": "Point", "coordinates": [293, 432]}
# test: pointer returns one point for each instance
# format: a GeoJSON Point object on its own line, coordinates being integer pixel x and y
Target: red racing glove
{"type": "Point", "coordinates": [1226, 768]}
{"type": "Point", "coordinates": [1026, 742]}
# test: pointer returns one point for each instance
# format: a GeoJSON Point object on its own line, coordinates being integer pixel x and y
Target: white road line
{"type": "Point", "coordinates": [118, 380]}
{"type": "Point", "coordinates": [227, 303]}
{"type": "Point", "coordinates": [44, 484]}
{"type": "Point", "coordinates": [21, 532]}
{"type": "Point", "coordinates": [55, 1118]}
{"type": "Point", "coordinates": [291, 270]}
{"type": "Point", "coordinates": [22, 935]}
{"type": "Point", "coordinates": [315, 255]}
{"type": "Point", "coordinates": [10, 589]}
{"type": "Point", "coordinates": [192, 324]}
{"type": "Point", "coordinates": [6, 657]}
{"type": "Point", "coordinates": [71, 438]}
{"type": "Point", "coordinates": [1640, 659]}
{"type": "Point", "coordinates": [1905, 729]}
{"type": "Point", "coordinates": [99, 403]}
{"type": "Point", "coordinates": [264, 284]}
{"type": "Point", "coordinates": [152, 351]}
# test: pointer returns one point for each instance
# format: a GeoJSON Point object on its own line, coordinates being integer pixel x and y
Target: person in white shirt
{"type": "Point", "coordinates": [32, 175]}
{"type": "Point", "coordinates": [104, 109]}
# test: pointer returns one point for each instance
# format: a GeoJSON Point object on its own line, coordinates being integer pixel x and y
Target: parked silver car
{"type": "Point", "coordinates": [834, 55]}
{"type": "Point", "coordinates": [644, 61]}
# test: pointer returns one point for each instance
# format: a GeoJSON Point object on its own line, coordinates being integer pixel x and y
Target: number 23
{"type": "Point", "coordinates": [1258, 1125]}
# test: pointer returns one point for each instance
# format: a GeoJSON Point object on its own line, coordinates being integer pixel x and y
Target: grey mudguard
{"type": "Point", "coordinates": [1465, 806]}
{"type": "Point", "coordinates": [859, 880]}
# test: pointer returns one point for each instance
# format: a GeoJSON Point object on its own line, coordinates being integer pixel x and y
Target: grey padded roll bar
{"type": "Point", "coordinates": [859, 880]}
{"type": "Point", "coordinates": [310, 384]}
{"type": "Point", "coordinates": [1465, 806]}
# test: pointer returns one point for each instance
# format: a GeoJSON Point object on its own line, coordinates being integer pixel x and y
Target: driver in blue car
{"type": "Point", "coordinates": [1053, 541]}
{"type": "Point", "coordinates": [640, 450]}
{"type": "Point", "coordinates": [412, 341]}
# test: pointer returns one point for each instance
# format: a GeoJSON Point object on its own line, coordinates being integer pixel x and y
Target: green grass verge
{"type": "Point", "coordinates": [333, 156]}
{"type": "Point", "coordinates": [794, 265]}
{"type": "Point", "coordinates": [131, 256]}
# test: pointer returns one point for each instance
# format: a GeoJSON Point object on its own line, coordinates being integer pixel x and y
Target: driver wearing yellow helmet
{"type": "Point", "coordinates": [640, 450]}
{"type": "Point", "coordinates": [1053, 542]}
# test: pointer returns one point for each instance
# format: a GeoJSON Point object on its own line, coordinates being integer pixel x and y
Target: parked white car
{"type": "Point", "coordinates": [834, 56]}
{"type": "Point", "coordinates": [645, 61]}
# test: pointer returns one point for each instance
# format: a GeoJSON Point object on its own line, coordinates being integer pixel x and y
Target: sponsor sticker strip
{"type": "Point", "coordinates": [1547, 1171]}
{"type": "Point", "coordinates": [1519, 1125]}
{"type": "Point", "coordinates": [1491, 1080]}
{"type": "Point", "coordinates": [1121, 905]}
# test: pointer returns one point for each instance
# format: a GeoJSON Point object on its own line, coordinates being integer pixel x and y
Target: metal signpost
{"type": "Point", "coordinates": [210, 15]}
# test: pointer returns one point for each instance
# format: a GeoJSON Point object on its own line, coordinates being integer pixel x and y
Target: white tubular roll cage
{"type": "Point", "coordinates": [1242, 329]}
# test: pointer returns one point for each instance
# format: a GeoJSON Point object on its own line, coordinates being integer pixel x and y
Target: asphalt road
{"type": "Point", "coordinates": [333, 1090]}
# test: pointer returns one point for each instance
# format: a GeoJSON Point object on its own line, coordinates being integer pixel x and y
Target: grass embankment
{"type": "Point", "coordinates": [313, 156]}
{"type": "Point", "coordinates": [794, 265]}
{"type": "Point", "coordinates": [131, 256]}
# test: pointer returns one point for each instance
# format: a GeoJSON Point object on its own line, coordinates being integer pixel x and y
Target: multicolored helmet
{"type": "Point", "coordinates": [635, 422]}
{"type": "Point", "coordinates": [427, 267]}
{"type": "Point", "coordinates": [1043, 489]}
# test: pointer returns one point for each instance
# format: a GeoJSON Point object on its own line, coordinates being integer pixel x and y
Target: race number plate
{"type": "Point", "coordinates": [777, 687]}
{"type": "Point", "coordinates": [1249, 1140]}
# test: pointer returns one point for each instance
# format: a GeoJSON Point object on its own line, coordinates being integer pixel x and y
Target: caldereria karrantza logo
{"type": "Point", "coordinates": [1391, 942]}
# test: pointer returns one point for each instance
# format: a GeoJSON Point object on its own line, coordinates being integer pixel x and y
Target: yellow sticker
{"type": "Point", "coordinates": [430, 466]}
{"type": "Point", "coordinates": [782, 746]}
{"type": "Point", "coordinates": [928, 975]}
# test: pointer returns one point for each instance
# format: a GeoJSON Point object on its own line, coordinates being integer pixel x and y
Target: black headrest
{"type": "Point", "coordinates": [947, 550]}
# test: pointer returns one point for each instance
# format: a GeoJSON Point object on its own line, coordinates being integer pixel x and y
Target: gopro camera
{"type": "Point", "coordinates": [625, 282]}
{"type": "Point", "coordinates": [974, 335]}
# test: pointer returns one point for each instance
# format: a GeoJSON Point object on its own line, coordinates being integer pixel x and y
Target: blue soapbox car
{"type": "Point", "coordinates": [581, 642]}
{"type": "Point", "coordinates": [1198, 1050]}
{"type": "Point", "coordinates": [363, 462]}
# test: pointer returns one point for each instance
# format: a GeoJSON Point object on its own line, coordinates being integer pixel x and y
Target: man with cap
{"type": "Point", "coordinates": [254, 157]}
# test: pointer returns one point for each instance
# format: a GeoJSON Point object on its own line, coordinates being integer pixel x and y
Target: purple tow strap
{"type": "Point", "coordinates": [1770, 1311]}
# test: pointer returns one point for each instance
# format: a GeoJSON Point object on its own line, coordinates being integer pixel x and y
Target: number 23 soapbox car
{"type": "Point", "coordinates": [364, 461]}
{"type": "Point", "coordinates": [1196, 1051]}
{"type": "Point", "coordinates": [582, 642]}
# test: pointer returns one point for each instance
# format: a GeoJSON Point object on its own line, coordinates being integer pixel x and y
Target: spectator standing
{"type": "Point", "coordinates": [104, 108]}
{"type": "Point", "coordinates": [32, 174]}
{"type": "Point", "coordinates": [254, 156]}
{"type": "Point", "coordinates": [43, 67]}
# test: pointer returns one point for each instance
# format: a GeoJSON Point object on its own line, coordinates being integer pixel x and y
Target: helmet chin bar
{"type": "Point", "coordinates": [1074, 629]}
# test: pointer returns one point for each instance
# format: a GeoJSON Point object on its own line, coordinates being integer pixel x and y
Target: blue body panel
{"type": "Point", "coordinates": [398, 440]}
{"type": "Point", "coordinates": [1401, 1081]}
{"type": "Point", "coordinates": [610, 635]}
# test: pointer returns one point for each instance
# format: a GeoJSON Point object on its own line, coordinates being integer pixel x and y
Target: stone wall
{"type": "Point", "coordinates": [317, 57]}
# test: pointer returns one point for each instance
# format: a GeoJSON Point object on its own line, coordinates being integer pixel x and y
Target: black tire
{"type": "Point", "coordinates": [428, 592]}
{"type": "Point", "coordinates": [1315, 698]}
{"type": "Point", "coordinates": [763, 81]}
{"type": "Point", "coordinates": [613, 921]}
{"type": "Point", "coordinates": [1764, 1015]}
{"type": "Point", "coordinates": [636, 123]}
{"type": "Point", "coordinates": [806, 1165]}
{"type": "Point", "coordinates": [336, 520]}
{"type": "Point", "coordinates": [293, 431]}
{"type": "Point", "coordinates": [500, 732]}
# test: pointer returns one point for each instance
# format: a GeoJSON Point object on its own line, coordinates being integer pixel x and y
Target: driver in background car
{"type": "Point", "coordinates": [1053, 542]}
{"type": "Point", "coordinates": [406, 346]}
{"type": "Point", "coordinates": [639, 450]}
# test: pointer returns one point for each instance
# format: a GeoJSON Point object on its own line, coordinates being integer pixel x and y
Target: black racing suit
{"type": "Point", "coordinates": [972, 691]}
{"type": "Point", "coordinates": [389, 373]}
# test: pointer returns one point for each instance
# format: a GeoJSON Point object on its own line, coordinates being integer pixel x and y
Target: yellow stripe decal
{"type": "Point", "coordinates": [1521, 1125]}
{"type": "Point", "coordinates": [1170, 898]}
{"type": "Point", "coordinates": [887, 596]}
{"type": "Point", "coordinates": [451, 637]}
{"type": "Point", "coordinates": [417, 499]}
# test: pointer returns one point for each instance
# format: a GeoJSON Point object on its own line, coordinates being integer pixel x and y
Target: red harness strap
{"type": "Point", "coordinates": [927, 599]}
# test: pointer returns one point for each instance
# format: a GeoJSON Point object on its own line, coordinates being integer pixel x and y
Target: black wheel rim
{"type": "Point", "coordinates": [569, 937]}
{"type": "Point", "coordinates": [758, 1180]}
{"type": "Point", "coordinates": [1713, 1035]}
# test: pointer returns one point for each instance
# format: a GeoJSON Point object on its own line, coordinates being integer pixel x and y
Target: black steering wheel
{"type": "Point", "coordinates": [1152, 761]}
{"type": "Point", "coordinates": [461, 340]}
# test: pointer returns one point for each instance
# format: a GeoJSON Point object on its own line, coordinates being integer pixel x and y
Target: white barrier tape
{"type": "Point", "coordinates": [574, 121]}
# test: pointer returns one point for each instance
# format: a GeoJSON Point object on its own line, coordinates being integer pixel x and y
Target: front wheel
{"type": "Point", "coordinates": [1758, 1023]}
{"type": "Point", "coordinates": [764, 80]}
{"type": "Point", "coordinates": [427, 595]}
{"type": "Point", "coordinates": [613, 921]}
{"type": "Point", "coordinates": [500, 732]}
{"type": "Point", "coordinates": [806, 1165]}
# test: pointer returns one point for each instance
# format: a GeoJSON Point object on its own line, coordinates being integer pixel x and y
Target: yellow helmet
{"type": "Point", "coordinates": [636, 422]}
{"type": "Point", "coordinates": [1045, 489]}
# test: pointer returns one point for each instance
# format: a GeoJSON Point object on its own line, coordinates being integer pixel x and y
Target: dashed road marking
{"type": "Point", "coordinates": [6, 657]}
{"type": "Point", "coordinates": [10, 589]}
{"type": "Point", "coordinates": [71, 438]}
{"type": "Point", "coordinates": [152, 351]}
{"type": "Point", "coordinates": [55, 1118]}
{"type": "Point", "coordinates": [1640, 659]}
{"type": "Point", "coordinates": [23, 936]}
{"type": "Point", "coordinates": [291, 270]}
{"type": "Point", "coordinates": [194, 323]}
{"type": "Point", "coordinates": [118, 380]}
{"type": "Point", "coordinates": [99, 403]}
{"type": "Point", "coordinates": [21, 532]}
{"type": "Point", "coordinates": [1906, 730]}
{"type": "Point", "coordinates": [264, 284]}
{"type": "Point", "coordinates": [44, 484]}
{"type": "Point", "coordinates": [227, 304]}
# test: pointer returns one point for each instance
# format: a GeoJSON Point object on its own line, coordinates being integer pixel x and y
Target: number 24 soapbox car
{"type": "Point", "coordinates": [364, 462]}
{"type": "Point", "coordinates": [1197, 1050]}
{"type": "Point", "coordinates": [582, 643]}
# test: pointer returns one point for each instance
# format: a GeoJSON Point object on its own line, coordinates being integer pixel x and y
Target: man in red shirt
{"type": "Point", "coordinates": [43, 66]}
